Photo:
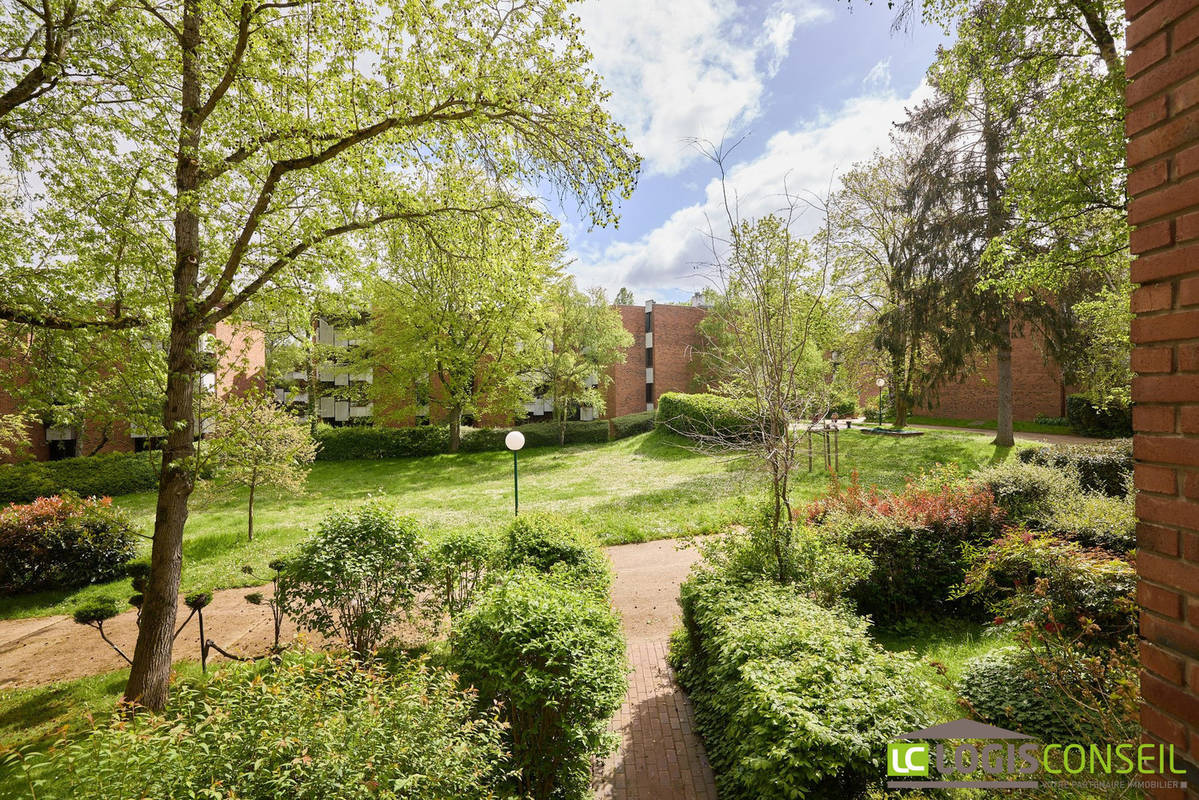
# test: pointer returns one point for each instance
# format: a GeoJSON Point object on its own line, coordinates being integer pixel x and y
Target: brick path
{"type": "Point", "coordinates": [661, 756]}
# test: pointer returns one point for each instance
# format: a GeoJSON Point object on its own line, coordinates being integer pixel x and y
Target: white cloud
{"type": "Point", "coordinates": [879, 76]}
{"type": "Point", "coordinates": [687, 68]}
{"type": "Point", "coordinates": [806, 158]}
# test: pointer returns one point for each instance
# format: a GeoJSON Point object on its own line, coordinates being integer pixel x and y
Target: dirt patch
{"type": "Point", "coordinates": [646, 587]}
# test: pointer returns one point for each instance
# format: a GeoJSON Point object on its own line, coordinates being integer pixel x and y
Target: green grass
{"type": "Point", "coordinates": [1018, 425]}
{"type": "Point", "coordinates": [650, 486]}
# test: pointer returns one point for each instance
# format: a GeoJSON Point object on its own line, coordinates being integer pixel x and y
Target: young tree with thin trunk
{"type": "Point", "coordinates": [257, 141]}
{"type": "Point", "coordinates": [582, 338]}
{"type": "Point", "coordinates": [255, 443]}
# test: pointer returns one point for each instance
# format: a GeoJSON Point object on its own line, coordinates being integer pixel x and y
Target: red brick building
{"type": "Point", "coordinates": [240, 354]}
{"type": "Point", "coordinates": [1162, 125]}
{"type": "Point", "coordinates": [662, 358]}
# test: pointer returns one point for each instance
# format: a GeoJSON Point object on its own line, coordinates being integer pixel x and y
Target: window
{"type": "Point", "coordinates": [649, 357]}
{"type": "Point", "coordinates": [649, 393]}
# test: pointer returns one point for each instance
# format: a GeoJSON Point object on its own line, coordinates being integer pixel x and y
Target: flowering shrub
{"type": "Point", "coordinates": [62, 542]}
{"type": "Point", "coordinates": [915, 540]}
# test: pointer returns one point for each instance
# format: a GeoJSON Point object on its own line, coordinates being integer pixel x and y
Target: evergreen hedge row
{"type": "Point", "coordinates": [92, 476]}
{"type": "Point", "coordinates": [705, 415]}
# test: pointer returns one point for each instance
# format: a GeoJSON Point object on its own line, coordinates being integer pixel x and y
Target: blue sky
{"type": "Point", "coordinates": [813, 85]}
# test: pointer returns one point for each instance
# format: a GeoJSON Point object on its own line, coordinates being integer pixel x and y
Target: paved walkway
{"type": "Point", "coordinates": [1050, 438]}
{"type": "Point", "coordinates": [661, 756]}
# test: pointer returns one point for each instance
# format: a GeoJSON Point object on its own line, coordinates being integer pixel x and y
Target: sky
{"type": "Point", "coordinates": [809, 87]}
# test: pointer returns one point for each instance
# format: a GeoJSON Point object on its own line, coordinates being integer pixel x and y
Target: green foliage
{"type": "Point", "coordinates": [1113, 420]}
{"type": "Point", "coordinates": [793, 699]}
{"type": "Point", "coordinates": [459, 563]}
{"type": "Point", "coordinates": [367, 441]}
{"type": "Point", "coordinates": [357, 576]}
{"type": "Point", "coordinates": [1102, 467]}
{"type": "Point", "coordinates": [309, 727]}
{"type": "Point", "coordinates": [1006, 687]}
{"type": "Point", "coordinates": [632, 424]}
{"type": "Point", "coordinates": [1040, 580]}
{"type": "Point", "coordinates": [198, 600]}
{"type": "Point", "coordinates": [1094, 520]}
{"type": "Point", "coordinates": [706, 416]}
{"type": "Point", "coordinates": [553, 658]}
{"type": "Point", "coordinates": [1025, 492]}
{"type": "Point", "coordinates": [98, 610]}
{"type": "Point", "coordinates": [62, 541]}
{"type": "Point", "coordinates": [93, 476]}
{"type": "Point", "coordinates": [553, 545]}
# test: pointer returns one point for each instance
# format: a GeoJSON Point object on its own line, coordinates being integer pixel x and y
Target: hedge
{"type": "Point", "coordinates": [793, 699]}
{"type": "Point", "coordinates": [1103, 467]}
{"type": "Point", "coordinates": [706, 415]}
{"type": "Point", "coordinates": [91, 476]}
{"type": "Point", "coordinates": [1087, 419]}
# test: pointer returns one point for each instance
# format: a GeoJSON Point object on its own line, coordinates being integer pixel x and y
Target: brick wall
{"type": "Point", "coordinates": [626, 393]}
{"type": "Point", "coordinates": [676, 343]}
{"type": "Point", "coordinates": [1036, 387]}
{"type": "Point", "coordinates": [1163, 156]}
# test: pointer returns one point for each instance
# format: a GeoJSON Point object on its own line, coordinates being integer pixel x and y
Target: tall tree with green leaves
{"type": "Point", "coordinates": [582, 338]}
{"type": "Point", "coordinates": [452, 312]}
{"type": "Point", "coordinates": [237, 145]}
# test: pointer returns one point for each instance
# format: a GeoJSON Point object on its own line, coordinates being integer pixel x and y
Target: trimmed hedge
{"type": "Point", "coordinates": [793, 699]}
{"type": "Point", "coordinates": [705, 415]}
{"type": "Point", "coordinates": [61, 542]}
{"type": "Point", "coordinates": [1009, 688]}
{"type": "Point", "coordinates": [1086, 419]}
{"type": "Point", "coordinates": [370, 442]}
{"type": "Point", "coordinates": [552, 659]}
{"type": "Point", "coordinates": [91, 476]}
{"type": "Point", "coordinates": [1103, 467]}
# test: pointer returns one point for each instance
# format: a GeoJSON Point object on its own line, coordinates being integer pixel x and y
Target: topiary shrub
{"type": "Point", "coordinates": [62, 542]}
{"type": "Point", "coordinates": [551, 544]}
{"type": "Point", "coordinates": [93, 476]}
{"type": "Point", "coordinates": [1025, 492]}
{"type": "Point", "coordinates": [553, 658]}
{"type": "Point", "coordinates": [706, 416]}
{"type": "Point", "coordinates": [793, 699]}
{"type": "Point", "coordinates": [360, 574]}
{"type": "Point", "coordinates": [1090, 420]}
{"type": "Point", "coordinates": [306, 728]}
{"type": "Point", "coordinates": [1102, 467]}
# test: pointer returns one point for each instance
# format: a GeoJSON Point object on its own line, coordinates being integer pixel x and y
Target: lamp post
{"type": "Point", "coordinates": [514, 441]}
{"type": "Point", "coordinates": [880, 383]}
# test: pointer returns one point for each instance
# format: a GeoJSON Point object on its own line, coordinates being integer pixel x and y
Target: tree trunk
{"type": "Point", "coordinates": [250, 509]}
{"type": "Point", "coordinates": [898, 391]}
{"type": "Point", "coordinates": [1003, 427]}
{"type": "Point", "coordinates": [149, 677]}
{"type": "Point", "coordinates": [455, 428]}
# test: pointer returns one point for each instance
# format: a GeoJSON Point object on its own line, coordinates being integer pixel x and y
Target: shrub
{"type": "Point", "coordinates": [916, 542]}
{"type": "Point", "coordinates": [367, 441]}
{"type": "Point", "coordinates": [1038, 579]}
{"type": "Point", "coordinates": [360, 574]}
{"type": "Point", "coordinates": [307, 728]}
{"type": "Point", "coordinates": [1094, 520]}
{"type": "Point", "coordinates": [1044, 419]}
{"type": "Point", "coordinates": [459, 563]}
{"type": "Point", "coordinates": [632, 424]}
{"type": "Point", "coordinates": [93, 476]}
{"type": "Point", "coordinates": [793, 699]}
{"type": "Point", "coordinates": [553, 657]}
{"type": "Point", "coordinates": [551, 544]}
{"type": "Point", "coordinates": [1007, 687]}
{"type": "Point", "coordinates": [1105, 468]}
{"type": "Point", "coordinates": [1090, 420]}
{"type": "Point", "coordinates": [62, 542]}
{"type": "Point", "coordinates": [1025, 492]}
{"type": "Point", "coordinates": [705, 415]}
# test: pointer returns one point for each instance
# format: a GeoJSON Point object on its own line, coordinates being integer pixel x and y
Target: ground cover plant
{"type": "Point", "coordinates": [647, 486]}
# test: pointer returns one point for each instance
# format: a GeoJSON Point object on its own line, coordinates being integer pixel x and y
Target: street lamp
{"type": "Point", "coordinates": [880, 383]}
{"type": "Point", "coordinates": [514, 441]}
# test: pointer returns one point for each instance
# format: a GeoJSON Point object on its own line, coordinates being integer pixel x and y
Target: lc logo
{"type": "Point", "coordinates": [905, 760]}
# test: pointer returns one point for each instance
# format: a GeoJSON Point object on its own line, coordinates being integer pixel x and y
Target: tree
{"type": "Point", "coordinates": [457, 309]}
{"type": "Point", "coordinates": [765, 349]}
{"type": "Point", "coordinates": [249, 142]}
{"type": "Point", "coordinates": [14, 435]}
{"type": "Point", "coordinates": [256, 443]}
{"type": "Point", "coordinates": [624, 297]}
{"type": "Point", "coordinates": [582, 338]}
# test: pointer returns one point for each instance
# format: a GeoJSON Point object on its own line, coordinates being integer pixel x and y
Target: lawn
{"type": "Point", "coordinates": [650, 486]}
{"type": "Point", "coordinates": [1018, 426]}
